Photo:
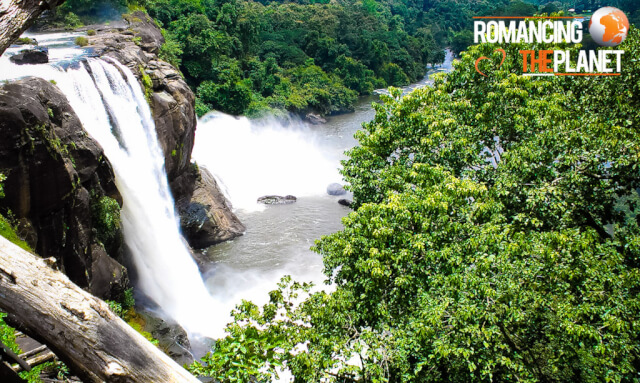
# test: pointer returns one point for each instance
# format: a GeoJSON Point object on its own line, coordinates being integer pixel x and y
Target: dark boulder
{"type": "Point", "coordinates": [206, 216]}
{"type": "Point", "coordinates": [277, 200]}
{"type": "Point", "coordinates": [55, 172]}
{"type": "Point", "coordinates": [336, 189]}
{"type": "Point", "coordinates": [31, 56]}
{"type": "Point", "coordinates": [345, 202]}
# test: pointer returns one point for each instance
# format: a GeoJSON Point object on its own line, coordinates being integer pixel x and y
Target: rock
{"type": "Point", "coordinates": [277, 200]}
{"type": "Point", "coordinates": [336, 189]}
{"type": "Point", "coordinates": [54, 172]}
{"type": "Point", "coordinates": [345, 202]}
{"type": "Point", "coordinates": [315, 119]}
{"type": "Point", "coordinates": [206, 216]}
{"type": "Point", "coordinates": [147, 30]}
{"type": "Point", "coordinates": [172, 338]}
{"type": "Point", "coordinates": [31, 56]}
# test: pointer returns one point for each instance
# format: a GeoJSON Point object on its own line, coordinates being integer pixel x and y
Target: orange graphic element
{"type": "Point", "coordinates": [504, 56]}
{"type": "Point", "coordinates": [587, 74]}
{"type": "Point", "coordinates": [527, 17]}
{"type": "Point", "coordinates": [542, 61]}
{"type": "Point", "coordinates": [615, 26]}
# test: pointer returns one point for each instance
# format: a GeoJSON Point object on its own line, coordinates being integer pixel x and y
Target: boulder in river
{"type": "Point", "coordinates": [315, 119]}
{"type": "Point", "coordinates": [31, 56]}
{"type": "Point", "coordinates": [345, 202]}
{"type": "Point", "coordinates": [336, 189]}
{"type": "Point", "coordinates": [277, 200]}
{"type": "Point", "coordinates": [206, 216]}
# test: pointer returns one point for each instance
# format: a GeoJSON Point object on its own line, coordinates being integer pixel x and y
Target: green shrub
{"type": "Point", "coordinates": [91, 32]}
{"type": "Point", "coordinates": [82, 41]}
{"type": "Point", "coordinates": [72, 21]}
{"type": "Point", "coordinates": [105, 213]}
{"type": "Point", "coordinates": [26, 41]}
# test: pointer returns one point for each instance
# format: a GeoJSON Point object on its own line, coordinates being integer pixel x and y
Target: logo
{"type": "Point", "coordinates": [504, 56]}
{"type": "Point", "coordinates": [609, 26]}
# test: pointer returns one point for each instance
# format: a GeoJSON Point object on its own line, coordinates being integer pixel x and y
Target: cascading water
{"type": "Point", "coordinates": [256, 158]}
{"type": "Point", "coordinates": [112, 107]}
{"type": "Point", "coordinates": [117, 115]}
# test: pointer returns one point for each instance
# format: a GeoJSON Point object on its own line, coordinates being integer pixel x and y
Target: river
{"type": "Point", "coordinates": [252, 159]}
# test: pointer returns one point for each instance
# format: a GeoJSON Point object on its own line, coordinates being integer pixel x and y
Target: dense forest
{"type": "Point", "coordinates": [495, 238]}
{"type": "Point", "coordinates": [495, 231]}
{"type": "Point", "coordinates": [251, 57]}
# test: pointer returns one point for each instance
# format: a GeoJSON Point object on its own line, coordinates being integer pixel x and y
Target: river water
{"type": "Point", "coordinates": [252, 159]}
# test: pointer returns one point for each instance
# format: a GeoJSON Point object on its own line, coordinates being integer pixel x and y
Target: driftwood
{"type": "Point", "coordinates": [18, 15]}
{"type": "Point", "coordinates": [78, 327]}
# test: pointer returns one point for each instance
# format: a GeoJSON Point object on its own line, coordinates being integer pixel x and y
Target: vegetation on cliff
{"type": "Point", "coordinates": [496, 238]}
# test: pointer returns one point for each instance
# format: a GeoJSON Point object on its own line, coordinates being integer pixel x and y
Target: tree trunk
{"type": "Point", "coordinates": [18, 15]}
{"type": "Point", "coordinates": [77, 326]}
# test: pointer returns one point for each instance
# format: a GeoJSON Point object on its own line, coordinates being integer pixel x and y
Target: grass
{"type": "Point", "coordinates": [7, 231]}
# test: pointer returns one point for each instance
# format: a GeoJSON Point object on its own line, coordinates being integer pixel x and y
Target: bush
{"type": "Point", "coordinates": [26, 41]}
{"type": "Point", "coordinates": [72, 21]}
{"type": "Point", "coordinates": [105, 213]}
{"type": "Point", "coordinates": [82, 41]}
{"type": "Point", "coordinates": [91, 32]}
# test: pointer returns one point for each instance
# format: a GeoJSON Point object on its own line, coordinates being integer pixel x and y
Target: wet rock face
{"type": "Point", "coordinates": [31, 56]}
{"type": "Point", "coordinates": [55, 171]}
{"type": "Point", "coordinates": [206, 216]}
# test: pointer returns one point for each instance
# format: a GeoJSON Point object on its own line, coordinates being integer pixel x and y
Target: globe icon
{"type": "Point", "coordinates": [609, 26]}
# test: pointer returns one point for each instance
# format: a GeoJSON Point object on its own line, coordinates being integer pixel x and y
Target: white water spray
{"type": "Point", "coordinates": [253, 159]}
{"type": "Point", "coordinates": [112, 108]}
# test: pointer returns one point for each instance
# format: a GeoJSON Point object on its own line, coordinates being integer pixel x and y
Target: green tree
{"type": "Point", "coordinates": [495, 238]}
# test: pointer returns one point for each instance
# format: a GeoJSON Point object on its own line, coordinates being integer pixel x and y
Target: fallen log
{"type": "Point", "coordinates": [18, 15]}
{"type": "Point", "coordinates": [78, 327]}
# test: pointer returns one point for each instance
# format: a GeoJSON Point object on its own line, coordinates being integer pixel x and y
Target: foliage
{"type": "Point", "coordinates": [91, 32]}
{"type": "Point", "coordinates": [25, 40]}
{"type": "Point", "coordinates": [72, 21]}
{"type": "Point", "coordinates": [8, 231]}
{"type": "Point", "coordinates": [2, 179]}
{"type": "Point", "coordinates": [495, 238]}
{"type": "Point", "coordinates": [81, 41]}
{"type": "Point", "coordinates": [170, 51]}
{"type": "Point", "coordinates": [105, 214]}
{"type": "Point", "coordinates": [125, 309]}
{"type": "Point", "coordinates": [264, 49]}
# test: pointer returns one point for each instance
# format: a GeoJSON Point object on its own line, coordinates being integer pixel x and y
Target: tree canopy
{"type": "Point", "coordinates": [495, 238]}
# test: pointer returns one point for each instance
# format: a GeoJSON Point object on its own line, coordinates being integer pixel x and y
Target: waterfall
{"type": "Point", "coordinates": [255, 158]}
{"type": "Point", "coordinates": [113, 110]}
